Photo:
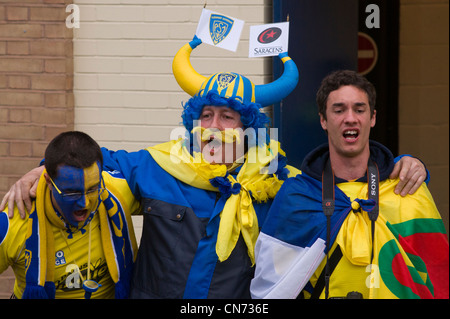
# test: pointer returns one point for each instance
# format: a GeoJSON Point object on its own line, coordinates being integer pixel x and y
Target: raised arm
{"type": "Point", "coordinates": [22, 193]}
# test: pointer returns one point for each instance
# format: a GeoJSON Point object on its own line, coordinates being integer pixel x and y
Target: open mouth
{"type": "Point", "coordinates": [351, 135]}
{"type": "Point", "coordinates": [80, 215]}
{"type": "Point", "coordinates": [214, 144]}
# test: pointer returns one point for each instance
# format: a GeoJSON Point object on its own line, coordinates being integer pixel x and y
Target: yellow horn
{"type": "Point", "coordinates": [188, 79]}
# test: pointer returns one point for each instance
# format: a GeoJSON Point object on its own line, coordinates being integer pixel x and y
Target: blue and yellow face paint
{"type": "Point", "coordinates": [76, 192]}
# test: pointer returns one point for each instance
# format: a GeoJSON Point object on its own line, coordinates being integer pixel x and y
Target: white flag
{"type": "Point", "coordinates": [268, 39]}
{"type": "Point", "coordinates": [219, 30]}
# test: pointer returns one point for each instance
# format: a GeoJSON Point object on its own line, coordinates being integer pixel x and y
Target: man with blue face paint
{"type": "Point", "coordinates": [76, 197]}
{"type": "Point", "coordinates": [78, 240]}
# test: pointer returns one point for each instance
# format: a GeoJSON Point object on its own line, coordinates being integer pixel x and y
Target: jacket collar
{"type": "Point", "coordinates": [315, 161]}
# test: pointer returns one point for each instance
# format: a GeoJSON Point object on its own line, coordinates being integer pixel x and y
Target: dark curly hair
{"type": "Point", "coordinates": [71, 148]}
{"type": "Point", "coordinates": [335, 80]}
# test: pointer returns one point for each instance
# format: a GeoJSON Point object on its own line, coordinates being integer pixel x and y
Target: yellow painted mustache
{"type": "Point", "coordinates": [226, 136]}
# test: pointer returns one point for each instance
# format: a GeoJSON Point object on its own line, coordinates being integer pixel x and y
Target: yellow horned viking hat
{"type": "Point", "coordinates": [232, 85]}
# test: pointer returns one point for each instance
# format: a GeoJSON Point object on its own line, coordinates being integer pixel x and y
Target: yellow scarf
{"type": "Point", "coordinates": [238, 215]}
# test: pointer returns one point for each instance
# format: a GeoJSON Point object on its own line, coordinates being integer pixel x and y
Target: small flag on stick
{"type": "Point", "coordinates": [268, 39]}
{"type": "Point", "coordinates": [219, 30]}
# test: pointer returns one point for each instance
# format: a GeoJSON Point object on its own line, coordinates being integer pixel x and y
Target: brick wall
{"type": "Point", "coordinates": [36, 100]}
{"type": "Point", "coordinates": [36, 70]}
{"type": "Point", "coordinates": [423, 91]}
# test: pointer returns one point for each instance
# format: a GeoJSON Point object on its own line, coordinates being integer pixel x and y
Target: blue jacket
{"type": "Point", "coordinates": [176, 257]}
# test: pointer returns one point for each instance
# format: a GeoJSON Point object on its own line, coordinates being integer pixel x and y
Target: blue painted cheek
{"type": "Point", "coordinates": [68, 207]}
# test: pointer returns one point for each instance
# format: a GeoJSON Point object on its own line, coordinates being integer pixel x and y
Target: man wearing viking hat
{"type": "Point", "coordinates": [202, 207]}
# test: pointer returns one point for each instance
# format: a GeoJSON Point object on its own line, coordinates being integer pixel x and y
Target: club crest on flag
{"type": "Point", "coordinates": [219, 27]}
{"type": "Point", "coordinates": [219, 30]}
{"type": "Point", "coordinates": [224, 79]}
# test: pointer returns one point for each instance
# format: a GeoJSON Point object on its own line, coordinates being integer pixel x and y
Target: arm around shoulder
{"type": "Point", "coordinates": [22, 193]}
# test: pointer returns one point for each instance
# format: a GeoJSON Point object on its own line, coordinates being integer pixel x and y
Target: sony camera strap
{"type": "Point", "coordinates": [328, 209]}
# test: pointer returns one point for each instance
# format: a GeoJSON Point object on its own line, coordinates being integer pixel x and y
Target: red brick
{"type": "Point", "coordinates": [4, 115]}
{"type": "Point", "coordinates": [16, 13]}
{"type": "Point", "coordinates": [18, 47]}
{"type": "Point", "coordinates": [55, 99]}
{"type": "Point", "coordinates": [4, 148]}
{"type": "Point", "coordinates": [19, 115]}
{"type": "Point", "coordinates": [55, 66]}
{"type": "Point", "coordinates": [21, 30]}
{"type": "Point", "coordinates": [4, 186]}
{"type": "Point", "coordinates": [2, 47]}
{"type": "Point", "coordinates": [20, 165]}
{"type": "Point", "coordinates": [48, 48]}
{"type": "Point", "coordinates": [21, 132]}
{"type": "Point", "coordinates": [19, 82]}
{"type": "Point", "coordinates": [23, 1]}
{"type": "Point", "coordinates": [3, 81]}
{"type": "Point", "coordinates": [21, 98]}
{"type": "Point", "coordinates": [58, 1]}
{"type": "Point", "coordinates": [58, 31]}
{"type": "Point", "coordinates": [48, 116]}
{"type": "Point", "coordinates": [21, 65]}
{"type": "Point", "coordinates": [48, 82]}
{"type": "Point", "coordinates": [20, 149]}
{"type": "Point", "coordinates": [48, 14]}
